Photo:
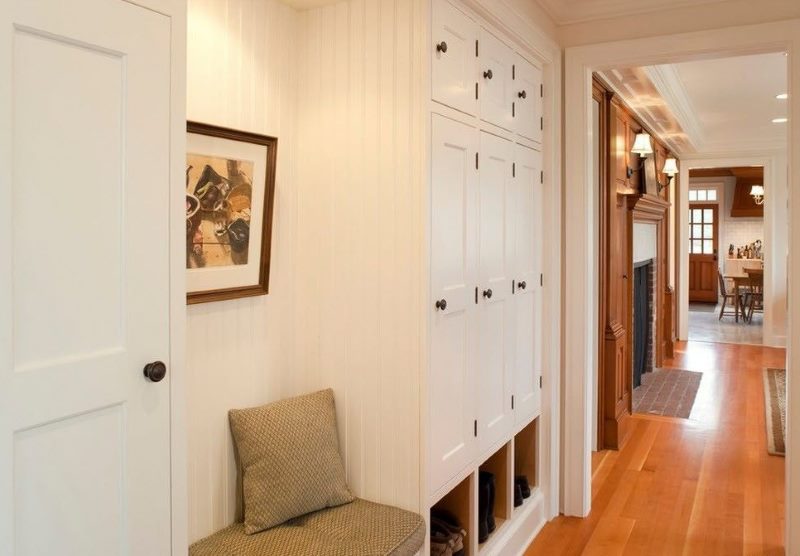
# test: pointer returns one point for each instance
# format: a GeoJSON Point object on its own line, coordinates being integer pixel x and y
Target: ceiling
{"type": "Point", "coordinates": [565, 12]}
{"type": "Point", "coordinates": [307, 4]}
{"type": "Point", "coordinates": [710, 106]}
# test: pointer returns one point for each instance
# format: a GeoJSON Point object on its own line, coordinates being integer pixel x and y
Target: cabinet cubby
{"type": "Point", "coordinates": [525, 455]}
{"type": "Point", "coordinates": [499, 465]}
{"type": "Point", "coordinates": [460, 503]}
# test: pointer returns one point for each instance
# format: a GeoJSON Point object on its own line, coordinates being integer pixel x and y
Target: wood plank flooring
{"type": "Point", "coordinates": [699, 486]}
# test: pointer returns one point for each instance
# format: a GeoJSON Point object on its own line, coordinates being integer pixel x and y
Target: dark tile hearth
{"type": "Point", "coordinates": [667, 392]}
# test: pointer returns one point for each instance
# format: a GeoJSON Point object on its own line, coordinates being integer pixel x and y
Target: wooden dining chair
{"type": "Point", "coordinates": [755, 298]}
{"type": "Point", "coordinates": [726, 297]}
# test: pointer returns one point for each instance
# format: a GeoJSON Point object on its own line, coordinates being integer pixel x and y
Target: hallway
{"type": "Point", "coordinates": [699, 486]}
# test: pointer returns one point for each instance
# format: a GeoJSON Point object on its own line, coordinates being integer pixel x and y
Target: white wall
{"type": "Point", "coordinates": [336, 85]}
{"type": "Point", "coordinates": [241, 74]}
{"type": "Point", "coordinates": [645, 241]}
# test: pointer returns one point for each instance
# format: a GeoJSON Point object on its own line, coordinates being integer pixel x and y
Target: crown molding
{"type": "Point", "coordinates": [567, 12]}
{"type": "Point", "coordinates": [669, 85]}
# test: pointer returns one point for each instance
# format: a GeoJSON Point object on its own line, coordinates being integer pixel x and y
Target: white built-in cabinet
{"type": "Point", "coordinates": [486, 274]}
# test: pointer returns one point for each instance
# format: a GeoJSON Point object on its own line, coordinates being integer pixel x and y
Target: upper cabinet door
{"type": "Point", "coordinates": [527, 201]}
{"type": "Point", "coordinates": [496, 81]}
{"type": "Point", "coordinates": [494, 295]}
{"type": "Point", "coordinates": [453, 44]}
{"type": "Point", "coordinates": [454, 182]}
{"type": "Point", "coordinates": [528, 99]}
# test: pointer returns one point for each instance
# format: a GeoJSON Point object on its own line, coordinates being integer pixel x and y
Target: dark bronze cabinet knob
{"type": "Point", "coordinates": [488, 74]}
{"type": "Point", "coordinates": [487, 293]}
{"type": "Point", "coordinates": [441, 304]}
{"type": "Point", "coordinates": [155, 371]}
{"type": "Point", "coordinates": [441, 47]}
{"type": "Point", "coordinates": [522, 94]}
{"type": "Point", "coordinates": [522, 285]}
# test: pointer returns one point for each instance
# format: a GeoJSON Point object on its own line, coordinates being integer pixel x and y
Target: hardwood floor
{"type": "Point", "coordinates": [699, 486]}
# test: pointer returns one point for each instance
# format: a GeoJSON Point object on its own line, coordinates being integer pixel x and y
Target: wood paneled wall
{"type": "Point", "coordinates": [339, 86]}
{"type": "Point", "coordinates": [621, 191]}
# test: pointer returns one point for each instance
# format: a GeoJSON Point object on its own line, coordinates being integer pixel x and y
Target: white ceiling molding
{"type": "Point", "coordinates": [565, 12]}
{"type": "Point", "coordinates": [668, 83]}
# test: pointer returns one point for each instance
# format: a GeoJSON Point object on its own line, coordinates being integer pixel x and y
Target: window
{"type": "Point", "coordinates": [701, 231]}
{"type": "Point", "coordinates": [702, 195]}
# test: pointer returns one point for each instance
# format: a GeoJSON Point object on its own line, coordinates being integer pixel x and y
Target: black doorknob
{"type": "Point", "coordinates": [522, 94]}
{"type": "Point", "coordinates": [522, 285]}
{"type": "Point", "coordinates": [441, 47]}
{"type": "Point", "coordinates": [441, 304]}
{"type": "Point", "coordinates": [488, 74]}
{"type": "Point", "coordinates": [487, 293]}
{"type": "Point", "coordinates": [155, 371]}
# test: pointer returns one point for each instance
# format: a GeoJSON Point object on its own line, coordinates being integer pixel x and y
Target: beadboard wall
{"type": "Point", "coordinates": [242, 73]}
{"type": "Point", "coordinates": [337, 86]}
{"type": "Point", "coordinates": [360, 234]}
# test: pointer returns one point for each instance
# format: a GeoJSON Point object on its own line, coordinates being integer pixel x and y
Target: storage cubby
{"type": "Point", "coordinates": [498, 464]}
{"type": "Point", "coordinates": [459, 502]}
{"type": "Point", "coordinates": [525, 454]}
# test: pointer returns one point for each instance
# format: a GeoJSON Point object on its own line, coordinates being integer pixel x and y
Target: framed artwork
{"type": "Point", "coordinates": [230, 190]}
{"type": "Point", "coordinates": [650, 177]}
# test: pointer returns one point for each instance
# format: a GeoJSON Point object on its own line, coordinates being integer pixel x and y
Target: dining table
{"type": "Point", "coordinates": [742, 282]}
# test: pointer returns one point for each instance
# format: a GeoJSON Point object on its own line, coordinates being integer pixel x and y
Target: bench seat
{"type": "Point", "coordinates": [360, 528]}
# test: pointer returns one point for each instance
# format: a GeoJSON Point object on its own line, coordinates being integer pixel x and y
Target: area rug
{"type": "Point", "coordinates": [775, 408]}
{"type": "Point", "coordinates": [667, 392]}
{"type": "Point", "coordinates": [703, 307]}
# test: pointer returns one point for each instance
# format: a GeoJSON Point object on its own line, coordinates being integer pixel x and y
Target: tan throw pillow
{"type": "Point", "coordinates": [289, 455]}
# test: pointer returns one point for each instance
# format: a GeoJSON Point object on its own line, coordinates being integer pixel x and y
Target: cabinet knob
{"type": "Point", "coordinates": [488, 74]}
{"type": "Point", "coordinates": [441, 304]}
{"type": "Point", "coordinates": [522, 285]}
{"type": "Point", "coordinates": [155, 371]}
{"type": "Point", "coordinates": [522, 94]}
{"type": "Point", "coordinates": [487, 293]}
{"type": "Point", "coordinates": [441, 47]}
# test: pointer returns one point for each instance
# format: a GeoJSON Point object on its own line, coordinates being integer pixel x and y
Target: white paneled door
{"type": "Point", "coordinates": [496, 78]}
{"type": "Point", "coordinates": [84, 279]}
{"type": "Point", "coordinates": [528, 99]}
{"type": "Point", "coordinates": [454, 59]}
{"type": "Point", "coordinates": [454, 185]}
{"type": "Point", "coordinates": [494, 295]}
{"type": "Point", "coordinates": [528, 242]}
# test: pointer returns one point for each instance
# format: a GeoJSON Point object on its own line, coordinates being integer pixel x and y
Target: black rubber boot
{"type": "Point", "coordinates": [522, 481]}
{"type": "Point", "coordinates": [484, 496]}
{"type": "Point", "coordinates": [517, 495]}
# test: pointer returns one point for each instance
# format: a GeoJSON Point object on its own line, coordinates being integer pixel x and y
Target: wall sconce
{"type": "Point", "coordinates": [757, 191]}
{"type": "Point", "coordinates": [670, 169]}
{"type": "Point", "coordinates": [643, 147]}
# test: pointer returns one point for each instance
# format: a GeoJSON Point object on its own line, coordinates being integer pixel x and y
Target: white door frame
{"type": "Point", "coordinates": [176, 11]}
{"type": "Point", "coordinates": [775, 222]}
{"type": "Point", "coordinates": [580, 239]}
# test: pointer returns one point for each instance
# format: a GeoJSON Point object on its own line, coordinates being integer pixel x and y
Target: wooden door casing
{"type": "Point", "coordinates": [703, 265]}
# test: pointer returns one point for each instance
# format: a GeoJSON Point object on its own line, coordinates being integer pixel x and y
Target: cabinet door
{"type": "Point", "coordinates": [528, 246]}
{"type": "Point", "coordinates": [453, 39]}
{"type": "Point", "coordinates": [495, 76]}
{"type": "Point", "coordinates": [528, 99]}
{"type": "Point", "coordinates": [495, 303]}
{"type": "Point", "coordinates": [454, 183]}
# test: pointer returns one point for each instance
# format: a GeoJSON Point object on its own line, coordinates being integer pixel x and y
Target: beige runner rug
{"type": "Point", "coordinates": [775, 408]}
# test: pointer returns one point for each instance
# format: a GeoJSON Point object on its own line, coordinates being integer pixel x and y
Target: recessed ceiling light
{"type": "Point", "coordinates": [780, 120]}
{"type": "Point", "coordinates": [782, 96]}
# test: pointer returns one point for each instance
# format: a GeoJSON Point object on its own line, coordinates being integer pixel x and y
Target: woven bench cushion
{"type": "Point", "coordinates": [359, 528]}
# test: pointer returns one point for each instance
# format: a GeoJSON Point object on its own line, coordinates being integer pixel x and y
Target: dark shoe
{"type": "Point", "coordinates": [444, 520]}
{"type": "Point", "coordinates": [484, 497]}
{"type": "Point", "coordinates": [442, 541]}
{"type": "Point", "coordinates": [517, 495]}
{"type": "Point", "coordinates": [522, 481]}
{"type": "Point", "coordinates": [488, 478]}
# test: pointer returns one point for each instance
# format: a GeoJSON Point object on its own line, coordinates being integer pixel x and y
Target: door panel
{"type": "Point", "coordinates": [528, 99]}
{"type": "Point", "coordinates": [527, 203]}
{"type": "Point", "coordinates": [703, 249]}
{"type": "Point", "coordinates": [454, 186]}
{"type": "Point", "coordinates": [84, 292]}
{"type": "Point", "coordinates": [453, 62]}
{"type": "Point", "coordinates": [496, 82]}
{"type": "Point", "coordinates": [495, 274]}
